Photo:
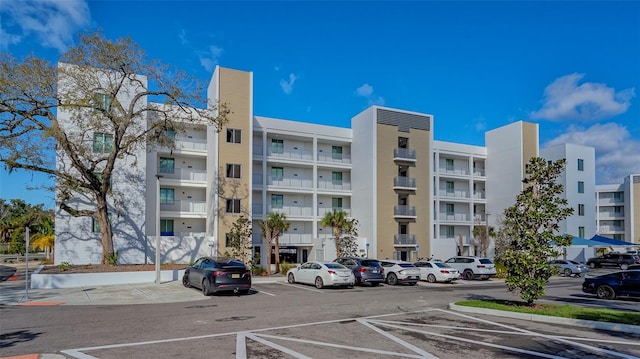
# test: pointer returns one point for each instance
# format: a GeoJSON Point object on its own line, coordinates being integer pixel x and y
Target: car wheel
{"type": "Point", "coordinates": [624, 266]}
{"type": "Point", "coordinates": [568, 272]}
{"type": "Point", "coordinates": [185, 281]}
{"type": "Point", "coordinates": [431, 278]}
{"type": "Point", "coordinates": [592, 265]}
{"type": "Point", "coordinates": [291, 279]}
{"type": "Point", "coordinates": [206, 287]}
{"type": "Point", "coordinates": [605, 292]}
{"type": "Point", "coordinates": [375, 284]}
{"type": "Point", "coordinates": [319, 283]}
{"type": "Point", "coordinates": [392, 279]}
{"type": "Point", "coordinates": [468, 274]}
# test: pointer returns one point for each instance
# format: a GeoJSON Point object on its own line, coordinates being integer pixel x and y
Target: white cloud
{"type": "Point", "coordinates": [617, 154]}
{"type": "Point", "coordinates": [287, 87]}
{"type": "Point", "coordinates": [366, 91]}
{"type": "Point", "coordinates": [183, 37]}
{"type": "Point", "coordinates": [565, 99]}
{"type": "Point", "coordinates": [209, 59]}
{"type": "Point", "coordinates": [52, 22]}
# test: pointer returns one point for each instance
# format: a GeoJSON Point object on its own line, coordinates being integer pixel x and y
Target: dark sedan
{"type": "Point", "coordinates": [214, 275]}
{"type": "Point", "coordinates": [610, 286]}
{"type": "Point", "coordinates": [365, 270]}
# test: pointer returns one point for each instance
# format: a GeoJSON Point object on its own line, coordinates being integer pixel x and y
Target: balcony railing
{"type": "Point", "coordinates": [338, 185]}
{"type": "Point", "coordinates": [404, 239]}
{"type": "Point", "coordinates": [478, 172]}
{"type": "Point", "coordinates": [454, 194]}
{"type": "Point", "coordinates": [286, 238]}
{"type": "Point", "coordinates": [454, 217]}
{"type": "Point", "coordinates": [456, 238]}
{"type": "Point", "coordinates": [295, 154]}
{"type": "Point", "coordinates": [190, 143]}
{"type": "Point", "coordinates": [185, 206]}
{"type": "Point", "coordinates": [610, 229]}
{"type": "Point", "coordinates": [184, 174]}
{"type": "Point", "coordinates": [323, 211]}
{"type": "Point", "coordinates": [610, 201]}
{"type": "Point", "coordinates": [404, 211]}
{"type": "Point", "coordinates": [404, 154]}
{"type": "Point", "coordinates": [295, 182]}
{"type": "Point", "coordinates": [456, 170]}
{"type": "Point", "coordinates": [401, 182]}
{"type": "Point", "coordinates": [292, 211]}
{"type": "Point", "coordinates": [479, 195]}
{"type": "Point", "coordinates": [334, 157]}
{"type": "Point", "coordinates": [610, 215]}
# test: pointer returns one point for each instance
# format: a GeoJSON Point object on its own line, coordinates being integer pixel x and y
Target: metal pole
{"type": "Point", "coordinates": [158, 229]}
{"type": "Point", "coordinates": [486, 232]}
{"type": "Point", "coordinates": [26, 261]}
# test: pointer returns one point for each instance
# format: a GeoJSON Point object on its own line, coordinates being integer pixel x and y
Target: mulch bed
{"type": "Point", "coordinates": [104, 268]}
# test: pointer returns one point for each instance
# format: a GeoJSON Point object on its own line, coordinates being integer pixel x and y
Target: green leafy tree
{"type": "Point", "coordinates": [481, 238]}
{"type": "Point", "coordinates": [239, 245]}
{"type": "Point", "coordinates": [18, 215]}
{"type": "Point", "coordinates": [340, 224]}
{"type": "Point", "coordinates": [278, 224]}
{"type": "Point", "coordinates": [99, 87]}
{"type": "Point", "coordinates": [530, 228]}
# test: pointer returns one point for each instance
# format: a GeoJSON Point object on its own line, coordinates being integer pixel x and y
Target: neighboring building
{"type": "Point", "coordinates": [579, 185]}
{"type": "Point", "coordinates": [413, 196]}
{"type": "Point", "coordinates": [618, 210]}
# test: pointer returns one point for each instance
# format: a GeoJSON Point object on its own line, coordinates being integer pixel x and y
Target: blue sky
{"type": "Point", "coordinates": [573, 67]}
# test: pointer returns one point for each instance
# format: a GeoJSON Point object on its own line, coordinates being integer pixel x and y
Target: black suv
{"type": "Point", "coordinates": [364, 269]}
{"type": "Point", "coordinates": [622, 260]}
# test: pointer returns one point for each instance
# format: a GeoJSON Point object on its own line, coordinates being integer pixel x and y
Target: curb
{"type": "Point", "coordinates": [617, 327]}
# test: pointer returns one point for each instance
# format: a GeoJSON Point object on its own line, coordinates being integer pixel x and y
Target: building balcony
{"type": "Point", "coordinates": [462, 194]}
{"type": "Point", "coordinates": [454, 217]}
{"type": "Point", "coordinates": [454, 171]}
{"type": "Point", "coordinates": [404, 155]}
{"type": "Point", "coordinates": [456, 239]}
{"type": "Point", "coordinates": [176, 236]}
{"type": "Point", "coordinates": [344, 158]}
{"type": "Point", "coordinates": [184, 174]}
{"type": "Point", "coordinates": [337, 185]}
{"type": "Point", "coordinates": [293, 182]}
{"type": "Point", "coordinates": [479, 195]}
{"type": "Point", "coordinates": [402, 211]}
{"type": "Point", "coordinates": [402, 239]}
{"type": "Point", "coordinates": [611, 229]}
{"type": "Point", "coordinates": [323, 211]}
{"type": "Point", "coordinates": [610, 202]}
{"type": "Point", "coordinates": [404, 183]}
{"type": "Point", "coordinates": [285, 239]}
{"type": "Point", "coordinates": [292, 211]}
{"type": "Point", "coordinates": [297, 155]}
{"type": "Point", "coordinates": [187, 144]}
{"type": "Point", "coordinates": [610, 215]}
{"type": "Point", "coordinates": [479, 172]}
{"type": "Point", "coordinates": [192, 207]}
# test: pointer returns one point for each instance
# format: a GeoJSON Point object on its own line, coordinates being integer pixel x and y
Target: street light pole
{"type": "Point", "coordinates": [486, 231]}
{"type": "Point", "coordinates": [158, 229]}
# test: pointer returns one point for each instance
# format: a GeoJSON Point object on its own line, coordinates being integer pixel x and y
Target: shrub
{"type": "Point", "coordinates": [64, 266]}
{"type": "Point", "coordinates": [111, 259]}
{"type": "Point", "coordinates": [258, 271]}
{"type": "Point", "coordinates": [285, 266]}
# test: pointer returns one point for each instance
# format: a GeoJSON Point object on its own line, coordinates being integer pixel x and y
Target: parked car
{"type": "Point", "coordinates": [218, 275]}
{"type": "Point", "coordinates": [400, 272]}
{"type": "Point", "coordinates": [568, 267]}
{"type": "Point", "coordinates": [322, 274]}
{"type": "Point", "coordinates": [6, 272]}
{"type": "Point", "coordinates": [365, 270]}
{"type": "Point", "coordinates": [473, 267]}
{"type": "Point", "coordinates": [616, 259]}
{"type": "Point", "coordinates": [612, 285]}
{"type": "Point", "coordinates": [434, 271]}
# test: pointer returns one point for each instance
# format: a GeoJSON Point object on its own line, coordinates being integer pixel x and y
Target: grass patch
{"type": "Point", "coordinates": [564, 311]}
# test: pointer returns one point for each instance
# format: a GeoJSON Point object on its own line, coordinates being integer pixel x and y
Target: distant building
{"type": "Point", "coordinates": [618, 210]}
{"type": "Point", "coordinates": [412, 195]}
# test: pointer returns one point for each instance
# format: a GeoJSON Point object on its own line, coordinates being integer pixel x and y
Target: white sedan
{"type": "Point", "coordinates": [434, 271]}
{"type": "Point", "coordinates": [322, 274]}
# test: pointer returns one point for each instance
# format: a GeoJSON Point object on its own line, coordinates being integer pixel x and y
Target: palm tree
{"type": "Point", "coordinates": [272, 228]}
{"type": "Point", "coordinates": [44, 236]}
{"type": "Point", "coordinates": [339, 223]}
{"type": "Point", "coordinates": [480, 232]}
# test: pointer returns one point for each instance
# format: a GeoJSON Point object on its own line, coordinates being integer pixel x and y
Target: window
{"type": "Point", "coordinates": [581, 232]}
{"type": "Point", "coordinates": [450, 209]}
{"type": "Point", "coordinates": [617, 223]}
{"type": "Point", "coordinates": [336, 152]}
{"type": "Point", "coordinates": [233, 205]}
{"type": "Point", "coordinates": [581, 210]}
{"type": "Point", "coordinates": [167, 196]}
{"type": "Point", "coordinates": [580, 187]}
{"type": "Point", "coordinates": [449, 164]}
{"type": "Point", "coordinates": [233, 170]}
{"type": "Point", "coordinates": [616, 195]}
{"type": "Point", "coordinates": [619, 237]}
{"type": "Point", "coordinates": [336, 203]}
{"type": "Point", "coordinates": [167, 165]}
{"type": "Point", "coordinates": [96, 225]}
{"type": "Point", "coordinates": [102, 143]}
{"type": "Point", "coordinates": [166, 227]}
{"type": "Point", "coordinates": [450, 187]}
{"type": "Point", "coordinates": [336, 178]}
{"type": "Point", "coordinates": [277, 173]}
{"type": "Point", "coordinates": [102, 101]}
{"type": "Point", "coordinates": [449, 231]}
{"type": "Point", "coordinates": [170, 133]}
{"type": "Point", "coordinates": [580, 164]}
{"type": "Point", "coordinates": [617, 209]}
{"type": "Point", "coordinates": [277, 201]}
{"type": "Point", "coordinates": [277, 146]}
{"type": "Point", "coordinates": [234, 135]}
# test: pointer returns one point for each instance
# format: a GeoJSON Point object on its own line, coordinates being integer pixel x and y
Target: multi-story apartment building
{"type": "Point", "coordinates": [618, 210]}
{"type": "Point", "coordinates": [413, 196]}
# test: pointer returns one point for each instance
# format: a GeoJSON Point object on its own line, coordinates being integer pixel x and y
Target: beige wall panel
{"type": "Point", "coordinates": [529, 142]}
{"type": "Point", "coordinates": [235, 90]}
{"type": "Point", "coordinates": [635, 222]}
{"type": "Point", "coordinates": [420, 140]}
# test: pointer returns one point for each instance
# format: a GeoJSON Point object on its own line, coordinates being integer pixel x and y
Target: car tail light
{"type": "Point", "coordinates": [332, 272]}
{"type": "Point", "coordinates": [218, 273]}
{"type": "Point", "coordinates": [381, 270]}
{"type": "Point", "coordinates": [362, 269]}
{"type": "Point", "coordinates": [481, 265]}
{"type": "Point", "coordinates": [444, 271]}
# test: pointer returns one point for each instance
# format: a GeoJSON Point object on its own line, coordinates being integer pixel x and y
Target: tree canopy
{"type": "Point", "coordinates": [341, 225]}
{"type": "Point", "coordinates": [103, 87]}
{"type": "Point", "coordinates": [530, 230]}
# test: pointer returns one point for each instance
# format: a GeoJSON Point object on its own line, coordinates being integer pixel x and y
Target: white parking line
{"type": "Point", "coordinates": [301, 287]}
{"type": "Point", "coordinates": [263, 292]}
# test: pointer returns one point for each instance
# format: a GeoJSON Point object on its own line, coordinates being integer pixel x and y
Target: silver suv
{"type": "Point", "coordinates": [473, 267]}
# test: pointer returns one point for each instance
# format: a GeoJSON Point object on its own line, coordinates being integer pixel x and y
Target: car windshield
{"type": "Point", "coordinates": [485, 261]}
{"type": "Point", "coordinates": [370, 263]}
{"type": "Point", "coordinates": [574, 262]}
{"type": "Point", "coordinates": [334, 266]}
{"type": "Point", "coordinates": [441, 265]}
{"type": "Point", "coordinates": [406, 265]}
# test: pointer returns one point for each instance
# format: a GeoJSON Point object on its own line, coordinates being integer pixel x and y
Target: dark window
{"type": "Point", "coordinates": [167, 195]}
{"type": "Point", "coordinates": [102, 142]}
{"type": "Point", "coordinates": [233, 205]}
{"type": "Point", "coordinates": [96, 225]}
{"type": "Point", "coordinates": [167, 165]}
{"type": "Point", "coordinates": [581, 210]}
{"type": "Point", "coordinates": [234, 135]}
{"type": "Point", "coordinates": [580, 164]}
{"type": "Point", "coordinates": [233, 170]}
{"type": "Point", "coordinates": [580, 187]}
{"type": "Point", "coordinates": [102, 101]}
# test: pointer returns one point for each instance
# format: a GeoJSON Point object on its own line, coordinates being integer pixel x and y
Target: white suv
{"type": "Point", "coordinates": [473, 267]}
{"type": "Point", "coordinates": [400, 272]}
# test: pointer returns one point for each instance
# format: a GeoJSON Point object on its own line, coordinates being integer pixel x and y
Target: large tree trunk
{"type": "Point", "coordinates": [338, 252]}
{"type": "Point", "coordinates": [106, 233]}
{"type": "Point", "coordinates": [268, 240]}
{"type": "Point", "coordinates": [277, 250]}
